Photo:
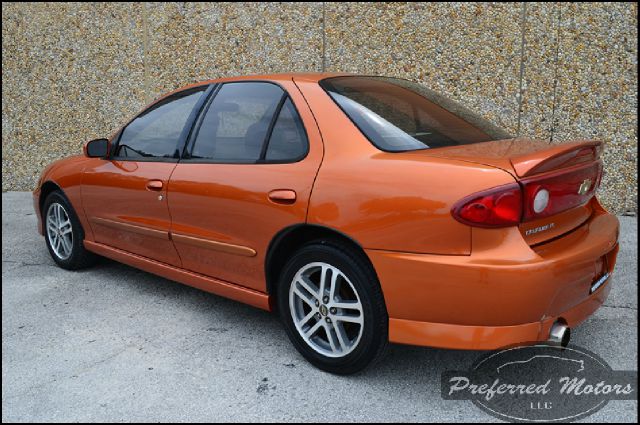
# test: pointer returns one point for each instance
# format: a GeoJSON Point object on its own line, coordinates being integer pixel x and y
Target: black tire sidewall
{"type": "Point", "coordinates": [374, 335]}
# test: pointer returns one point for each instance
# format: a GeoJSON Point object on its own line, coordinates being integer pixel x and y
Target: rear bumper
{"type": "Point", "coordinates": [504, 293]}
{"type": "Point", "coordinates": [490, 337]}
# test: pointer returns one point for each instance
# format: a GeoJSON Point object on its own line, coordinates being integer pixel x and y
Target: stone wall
{"type": "Point", "coordinates": [558, 71]}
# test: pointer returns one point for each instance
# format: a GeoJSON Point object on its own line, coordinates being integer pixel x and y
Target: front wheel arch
{"type": "Point", "coordinates": [79, 257]}
{"type": "Point", "coordinates": [45, 189]}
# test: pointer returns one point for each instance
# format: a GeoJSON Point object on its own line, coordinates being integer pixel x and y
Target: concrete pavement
{"type": "Point", "coordinates": [113, 343]}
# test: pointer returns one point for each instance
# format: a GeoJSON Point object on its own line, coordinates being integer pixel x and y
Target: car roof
{"type": "Point", "coordinates": [306, 76]}
{"type": "Point", "coordinates": [285, 76]}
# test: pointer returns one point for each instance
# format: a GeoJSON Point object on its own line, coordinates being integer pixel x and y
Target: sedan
{"type": "Point", "coordinates": [363, 210]}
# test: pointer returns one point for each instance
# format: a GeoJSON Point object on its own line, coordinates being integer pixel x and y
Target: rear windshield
{"type": "Point", "coordinates": [398, 115]}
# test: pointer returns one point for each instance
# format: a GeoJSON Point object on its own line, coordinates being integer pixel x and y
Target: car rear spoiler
{"type": "Point", "coordinates": [556, 157]}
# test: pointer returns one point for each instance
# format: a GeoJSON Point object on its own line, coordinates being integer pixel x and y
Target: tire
{"type": "Point", "coordinates": [335, 342]}
{"type": "Point", "coordinates": [65, 244]}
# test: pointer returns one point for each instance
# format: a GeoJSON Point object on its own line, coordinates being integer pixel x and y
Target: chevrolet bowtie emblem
{"type": "Point", "coordinates": [584, 187]}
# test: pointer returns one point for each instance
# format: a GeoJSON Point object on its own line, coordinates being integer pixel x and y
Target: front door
{"type": "Point", "coordinates": [125, 196]}
{"type": "Point", "coordinates": [247, 174]}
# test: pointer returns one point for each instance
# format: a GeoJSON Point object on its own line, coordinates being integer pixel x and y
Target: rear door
{"type": "Point", "coordinates": [247, 173]}
{"type": "Point", "coordinates": [125, 196]}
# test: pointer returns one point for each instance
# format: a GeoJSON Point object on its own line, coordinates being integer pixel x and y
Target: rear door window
{"type": "Point", "coordinates": [288, 141]}
{"type": "Point", "coordinates": [236, 124]}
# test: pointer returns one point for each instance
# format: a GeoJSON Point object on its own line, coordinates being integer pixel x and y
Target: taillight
{"type": "Point", "coordinates": [540, 200]}
{"type": "Point", "coordinates": [497, 207]}
{"type": "Point", "coordinates": [564, 190]}
{"type": "Point", "coordinates": [533, 198]}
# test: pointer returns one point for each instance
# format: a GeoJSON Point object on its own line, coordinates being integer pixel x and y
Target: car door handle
{"type": "Point", "coordinates": [283, 196]}
{"type": "Point", "coordinates": [155, 185]}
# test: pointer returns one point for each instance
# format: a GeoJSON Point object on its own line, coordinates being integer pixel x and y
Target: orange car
{"type": "Point", "coordinates": [365, 210]}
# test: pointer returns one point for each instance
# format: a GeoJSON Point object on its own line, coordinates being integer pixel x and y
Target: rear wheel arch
{"type": "Point", "coordinates": [288, 240]}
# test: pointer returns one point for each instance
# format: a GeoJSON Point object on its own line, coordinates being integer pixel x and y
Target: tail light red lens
{"type": "Point", "coordinates": [531, 199]}
{"type": "Point", "coordinates": [497, 207]}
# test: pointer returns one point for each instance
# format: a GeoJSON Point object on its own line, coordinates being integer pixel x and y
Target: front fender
{"type": "Point", "coordinates": [64, 175]}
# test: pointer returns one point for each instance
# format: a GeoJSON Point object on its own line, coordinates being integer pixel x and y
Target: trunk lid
{"type": "Point", "coordinates": [570, 172]}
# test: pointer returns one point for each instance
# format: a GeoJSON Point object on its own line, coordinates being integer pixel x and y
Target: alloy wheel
{"type": "Point", "coordinates": [326, 309]}
{"type": "Point", "coordinates": [59, 231]}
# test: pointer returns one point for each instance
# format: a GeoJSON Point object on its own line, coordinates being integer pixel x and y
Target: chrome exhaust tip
{"type": "Point", "coordinates": [559, 335]}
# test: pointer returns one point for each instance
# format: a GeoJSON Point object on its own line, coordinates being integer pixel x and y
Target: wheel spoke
{"type": "Point", "coordinates": [308, 286]}
{"type": "Point", "coordinates": [66, 245]}
{"type": "Point", "coordinates": [348, 305]}
{"type": "Point", "coordinates": [313, 329]}
{"type": "Point", "coordinates": [349, 319]}
{"type": "Point", "coordinates": [332, 338]}
{"type": "Point", "coordinates": [304, 297]}
{"type": "Point", "coordinates": [342, 336]}
{"type": "Point", "coordinates": [323, 281]}
{"type": "Point", "coordinates": [333, 287]}
{"type": "Point", "coordinates": [63, 224]}
{"type": "Point", "coordinates": [306, 318]}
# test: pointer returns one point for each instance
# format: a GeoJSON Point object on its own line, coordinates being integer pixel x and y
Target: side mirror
{"type": "Point", "coordinates": [97, 148]}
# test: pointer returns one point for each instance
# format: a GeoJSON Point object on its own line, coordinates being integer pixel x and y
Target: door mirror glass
{"type": "Point", "coordinates": [97, 148]}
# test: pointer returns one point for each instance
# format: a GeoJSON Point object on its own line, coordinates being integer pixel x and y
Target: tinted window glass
{"type": "Point", "coordinates": [288, 140]}
{"type": "Point", "coordinates": [398, 115]}
{"type": "Point", "coordinates": [235, 126]}
{"type": "Point", "coordinates": [155, 132]}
